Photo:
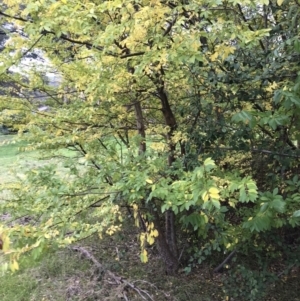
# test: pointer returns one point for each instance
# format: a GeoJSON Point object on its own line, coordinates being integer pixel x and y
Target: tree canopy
{"type": "Point", "coordinates": [182, 113]}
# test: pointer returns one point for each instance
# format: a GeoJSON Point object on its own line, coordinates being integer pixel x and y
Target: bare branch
{"type": "Point", "coordinates": [226, 260]}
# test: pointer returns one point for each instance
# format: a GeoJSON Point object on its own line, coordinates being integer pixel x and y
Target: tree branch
{"type": "Point", "coordinates": [227, 259]}
{"type": "Point", "coordinates": [132, 54]}
{"type": "Point", "coordinates": [14, 17]}
{"type": "Point", "coordinates": [250, 27]}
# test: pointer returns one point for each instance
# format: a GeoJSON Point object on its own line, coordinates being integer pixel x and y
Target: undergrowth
{"type": "Point", "coordinates": [66, 275]}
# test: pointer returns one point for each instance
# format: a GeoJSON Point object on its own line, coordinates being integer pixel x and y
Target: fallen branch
{"type": "Point", "coordinates": [114, 279]}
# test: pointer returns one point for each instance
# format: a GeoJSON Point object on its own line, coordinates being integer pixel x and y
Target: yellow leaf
{"type": "Point", "coordinates": [213, 190]}
{"type": "Point", "coordinates": [49, 222]}
{"type": "Point", "coordinates": [6, 242]}
{"type": "Point", "coordinates": [154, 233]}
{"type": "Point", "coordinates": [149, 181]}
{"type": "Point", "coordinates": [142, 239]}
{"type": "Point", "coordinates": [214, 196]}
{"type": "Point", "coordinates": [214, 193]}
{"type": "Point", "coordinates": [151, 226]}
{"type": "Point", "coordinates": [150, 240]}
{"type": "Point", "coordinates": [14, 266]}
{"type": "Point", "coordinates": [144, 256]}
{"type": "Point", "coordinates": [279, 2]}
{"type": "Point", "coordinates": [158, 146]}
{"type": "Point", "coordinates": [272, 87]}
{"type": "Point", "coordinates": [232, 204]}
{"type": "Point", "coordinates": [205, 196]}
{"type": "Point", "coordinates": [214, 56]}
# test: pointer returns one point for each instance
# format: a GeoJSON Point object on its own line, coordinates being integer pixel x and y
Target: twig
{"type": "Point", "coordinates": [24, 53]}
{"type": "Point", "coordinates": [125, 297]}
{"type": "Point", "coordinates": [181, 253]}
{"type": "Point", "coordinates": [154, 286]}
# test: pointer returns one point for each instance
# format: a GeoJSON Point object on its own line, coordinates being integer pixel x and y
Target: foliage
{"type": "Point", "coordinates": [183, 112]}
{"type": "Point", "coordinates": [246, 284]}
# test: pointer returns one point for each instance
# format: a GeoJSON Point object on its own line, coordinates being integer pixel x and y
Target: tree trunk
{"type": "Point", "coordinates": [171, 232]}
{"type": "Point", "coordinates": [165, 252]}
{"type": "Point", "coordinates": [166, 241]}
{"type": "Point", "coordinates": [169, 239]}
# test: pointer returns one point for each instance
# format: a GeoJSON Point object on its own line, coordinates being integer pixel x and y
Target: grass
{"type": "Point", "coordinates": [11, 157]}
{"type": "Point", "coordinates": [18, 286]}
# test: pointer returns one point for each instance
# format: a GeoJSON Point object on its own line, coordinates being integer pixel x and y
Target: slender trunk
{"type": "Point", "coordinates": [140, 126]}
{"type": "Point", "coordinates": [170, 230]}
{"type": "Point", "coordinates": [166, 240]}
{"type": "Point", "coordinates": [165, 252]}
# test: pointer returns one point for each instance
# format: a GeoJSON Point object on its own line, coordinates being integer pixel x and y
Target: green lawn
{"type": "Point", "coordinates": [15, 160]}
{"type": "Point", "coordinates": [10, 156]}
{"type": "Point", "coordinates": [9, 149]}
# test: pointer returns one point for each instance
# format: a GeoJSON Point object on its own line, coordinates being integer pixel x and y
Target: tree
{"type": "Point", "coordinates": [152, 95]}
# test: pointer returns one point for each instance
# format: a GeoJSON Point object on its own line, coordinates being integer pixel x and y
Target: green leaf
{"type": "Point", "coordinates": [264, 207]}
{"type": "Point", "coordinates": [216, 204]}
{"type": "Point", "coordinates": [209, 164]}
{"type": "Point", "coordinates": [296, 213]}
{"type": "Point", "coordinates": [278, 204]}
{"type": "Point", "coordinates": [242, 116]}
